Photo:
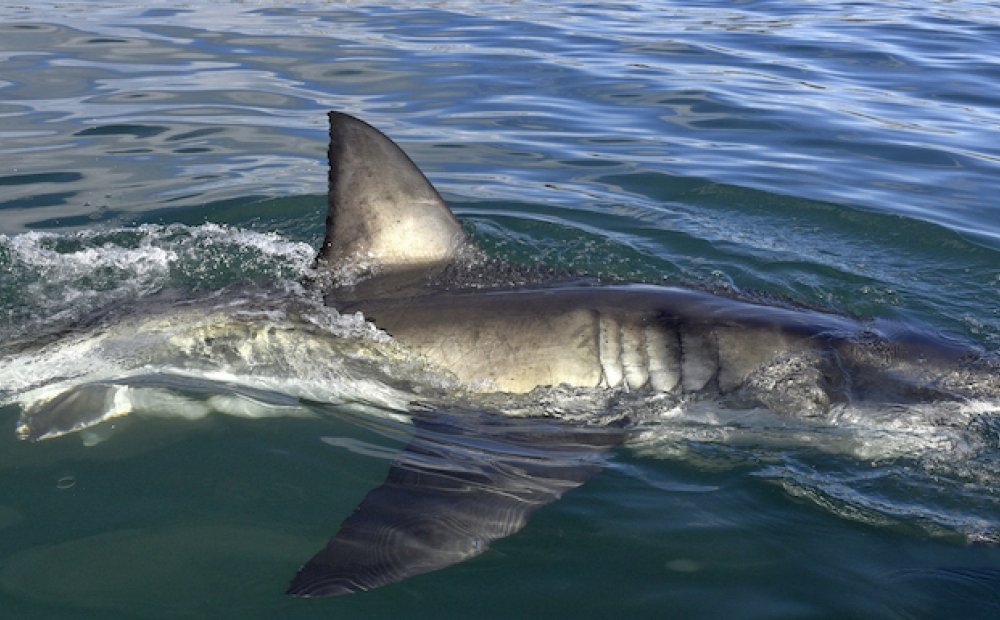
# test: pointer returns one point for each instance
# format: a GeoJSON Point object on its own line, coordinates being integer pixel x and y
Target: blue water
{"type": "Point", "coordinates": [827, 154]}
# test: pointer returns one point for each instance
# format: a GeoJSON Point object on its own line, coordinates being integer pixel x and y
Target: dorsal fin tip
{"type": "Point", "coordinates": [383, 215]}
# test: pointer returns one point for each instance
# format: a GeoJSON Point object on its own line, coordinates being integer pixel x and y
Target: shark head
{"type": "Point", "coordinates": [386, 225]}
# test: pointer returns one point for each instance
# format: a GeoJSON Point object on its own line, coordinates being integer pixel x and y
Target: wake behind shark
{"type": "Point", "coordinates": [394, 252]}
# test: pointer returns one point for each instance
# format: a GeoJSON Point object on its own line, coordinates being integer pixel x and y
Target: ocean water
{"type": "Point", "coordinates": [833, 155]}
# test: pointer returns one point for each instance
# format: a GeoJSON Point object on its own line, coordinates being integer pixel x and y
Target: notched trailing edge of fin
{"type": "Point", "coordinates": [384, 217]}
{"type": "Point", "coordinates": [459, 485]}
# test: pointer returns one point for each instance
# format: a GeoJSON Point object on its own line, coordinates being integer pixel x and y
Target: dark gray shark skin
{"type": "Point", "coordinates": [462, 483]}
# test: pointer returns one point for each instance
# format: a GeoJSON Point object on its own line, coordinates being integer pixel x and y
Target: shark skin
{"type": "Point", "coordinates": [391, 242]}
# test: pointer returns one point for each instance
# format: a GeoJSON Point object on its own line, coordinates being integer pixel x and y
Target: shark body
{"type": "Point", "coordinates": [395, 252]}
{"type": "Point", "coordinates": [389, 227]}
{"type": "Point", "coordinates": [391, 231]}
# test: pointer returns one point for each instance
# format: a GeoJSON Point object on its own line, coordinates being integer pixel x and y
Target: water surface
{"type": "Point", "coordinates": [832, 155]}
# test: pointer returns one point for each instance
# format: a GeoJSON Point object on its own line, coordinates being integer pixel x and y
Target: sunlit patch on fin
{"type": "Point", "coordinates": [462, 482]}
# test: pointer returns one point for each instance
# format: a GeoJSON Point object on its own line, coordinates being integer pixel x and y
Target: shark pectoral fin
{"type": "Point", "coordinates": [455, 488]}
{"type": "Point", "coordinates": [72, 409]}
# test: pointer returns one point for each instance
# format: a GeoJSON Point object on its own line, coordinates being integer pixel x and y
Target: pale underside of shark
{"type": "Point", "coordinates": [395, 252]}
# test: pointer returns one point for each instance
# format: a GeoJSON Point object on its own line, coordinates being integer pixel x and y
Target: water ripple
{"type": "Point", "coordinates": [841, 154]}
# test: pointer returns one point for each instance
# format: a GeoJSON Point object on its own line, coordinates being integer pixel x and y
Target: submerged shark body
{"type": "Point", "coordinates": [394, 252]}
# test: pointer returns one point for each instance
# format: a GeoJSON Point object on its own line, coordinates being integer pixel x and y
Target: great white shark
{"type": "Point", "coordinates": [391, 235]}
{"type": "Point", "coordinates": [395, 252]}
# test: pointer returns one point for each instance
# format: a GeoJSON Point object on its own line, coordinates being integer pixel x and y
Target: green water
{"type": "Point", "coordinates": [830, 155]}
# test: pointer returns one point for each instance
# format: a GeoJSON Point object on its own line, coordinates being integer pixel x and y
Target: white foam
{"type": "Point", "coordinates": [254, 356]}
{"type": "Point", "coordinates": [38, 250]}
{"type": "Point", "coordinates": [62, 277]}
{"type": "Point", "coordinates": [928, 431]}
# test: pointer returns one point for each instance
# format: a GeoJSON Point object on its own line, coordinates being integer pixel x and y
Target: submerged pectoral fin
{"type": "Point", "coordinates": [71, 409]}
{"type": "Point", "coordinates": [455, 488]}
{"type": "Point", "coordinates": [54, 412]}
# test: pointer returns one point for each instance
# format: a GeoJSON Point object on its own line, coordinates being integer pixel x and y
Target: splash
{"type": "Point", "coordinates": [61, 278]}
{"type": "Point", "coordinates": [930, 469]}
{"type": "Point", "coordinates": [181, 321]}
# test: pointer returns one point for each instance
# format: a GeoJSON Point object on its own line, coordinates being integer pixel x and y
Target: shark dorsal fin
{"type": "Point", "coordinates": [384, 216]}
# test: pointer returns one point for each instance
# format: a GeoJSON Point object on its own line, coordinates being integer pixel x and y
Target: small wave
{"type": "Point", "coordinates": [950, 591]}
